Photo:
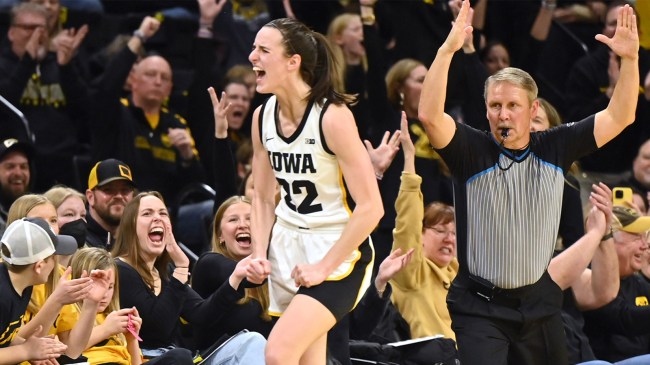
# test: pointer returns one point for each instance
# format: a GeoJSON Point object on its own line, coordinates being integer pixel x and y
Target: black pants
{"type": "Point", "coordinates": [518, 326]}
{"type": "Point", "coordinates": [176, 356]}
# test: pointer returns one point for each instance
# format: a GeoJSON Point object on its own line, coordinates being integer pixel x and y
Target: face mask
{"type": "Point", "coordinates": [76, 229]}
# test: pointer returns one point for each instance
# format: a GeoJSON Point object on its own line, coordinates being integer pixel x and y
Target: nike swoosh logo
{"type": "Point", "coordinates": [268, 139]}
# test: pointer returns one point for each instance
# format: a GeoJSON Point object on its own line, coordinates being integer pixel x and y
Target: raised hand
{"type": "Point", "coordinates": [405, 138]}
{"type": "Point", "coordinates": [149, 26]}
{"type": "Point", "coordinates": [36, 45]}
{"type": "Point", "coordinates": [625, 42]}
{"type": "Point", "coordinates": [175, 253]}
{"type": "Point", "coordinates": [600, 216]}
{"type": "Point", "coordinates": [68, 42]}
{"type": "Point", "coordinates": [391, 265]}
{"type": "Point", "coordinates": [101, 281]}
{"type": "Point", "coordinates": [220, 110]}
{"type": "Point", "coordinates": [70, 291]}
{"type": "Point", "coordinates": [459, 30]}
{"type": "Point", "coordinates": [382, 156]}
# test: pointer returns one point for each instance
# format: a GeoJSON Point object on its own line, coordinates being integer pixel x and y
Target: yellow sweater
{"type": "Point", "coordinates": [420, 289]}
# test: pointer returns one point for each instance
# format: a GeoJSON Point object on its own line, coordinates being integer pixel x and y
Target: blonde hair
{"type": "Point", "coordinates": [516, 77]}
{"type": "Point", "coordinates": [23, 205]}
{"type": "Point", "coordinates": [260, 293]}
{"type": "Point", "coordinates": [19, 210]}
{"type": "Point", "coordinates": [60, 193]}
{"type": "Point", "coordinates": [395, 78]}
{"type": "Point", "coordinates": [552, 114]}
{"type": "Point", "coordinates": [336, 27]}
{"type": "Point", "coordinates": [95, 258]}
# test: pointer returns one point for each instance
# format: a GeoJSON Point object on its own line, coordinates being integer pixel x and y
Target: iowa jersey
{"type": "Point", "coordinates": [313, 193]}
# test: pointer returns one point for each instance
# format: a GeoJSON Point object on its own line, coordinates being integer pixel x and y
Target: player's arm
{"type": "Point", "coordinates": [262, 214]}
{"type": "Point", "coordinates": [342, 138]}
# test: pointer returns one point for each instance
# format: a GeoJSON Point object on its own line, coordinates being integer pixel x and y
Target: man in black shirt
{"type": "Point", "coordinates": [619, 330]}
{"type": "Point", "coordinates": [508, 196]}
{"type": "Point", "coordinates": [15, 174]}
{"type": "Point", "coordinates": [110, 188]}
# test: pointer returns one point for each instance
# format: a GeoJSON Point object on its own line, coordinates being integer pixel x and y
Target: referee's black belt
{"type": "Point", "coordinates": [491, 293]}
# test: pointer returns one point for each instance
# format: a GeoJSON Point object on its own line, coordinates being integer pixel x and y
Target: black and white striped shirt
{"type": "Point", "coordinates": [508, 206]}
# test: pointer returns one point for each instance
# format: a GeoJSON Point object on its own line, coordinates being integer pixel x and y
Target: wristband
{"type": "Point", "coordinates": [380, 293]}
{"type": "Point", "coordinates": [138, 34]}
{"type": "Point", "coordinates": [609, 235]}
{"type": "Point", "coordinates": [549, 5]}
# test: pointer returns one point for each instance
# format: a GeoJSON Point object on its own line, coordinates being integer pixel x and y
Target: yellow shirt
{"type": "Point", "coordinates": [420, 289]}
{"type": "Point", "coordinates": [111, 350]}
{"type": "Point", "coordinates": [38, 297]}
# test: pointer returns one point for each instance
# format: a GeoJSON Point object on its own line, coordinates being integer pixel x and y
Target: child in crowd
{"type": "Point", "coordinates": [28, 248]}
{"type": "Point", "coordinates": [114, 338]}
{"type": "Point", "coordinates": [72, 291]}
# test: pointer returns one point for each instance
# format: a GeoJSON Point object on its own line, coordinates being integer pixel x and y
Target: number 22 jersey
{"type": "Point", "coordinates": [313, 193]}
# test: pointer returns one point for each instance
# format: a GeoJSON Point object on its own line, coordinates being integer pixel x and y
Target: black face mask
{"type": "Point", "coordinates": [76, 229]}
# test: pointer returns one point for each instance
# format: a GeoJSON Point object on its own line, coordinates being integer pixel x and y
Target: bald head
{"type": "Point", "coordinates": [151, 83]}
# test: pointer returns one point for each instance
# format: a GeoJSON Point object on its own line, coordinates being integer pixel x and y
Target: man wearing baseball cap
{"type": "Point", "coordinates": [110, 188]}
{"type": "Point", "coordinates": [27, 249]}
{"type": "Point", "coordinates": [15, 174]}
{"type": "Point", "coordinates": [620, 329]}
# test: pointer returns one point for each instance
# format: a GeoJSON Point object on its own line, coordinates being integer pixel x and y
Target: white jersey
{"type": "Point", "coordinates": [313, 192]}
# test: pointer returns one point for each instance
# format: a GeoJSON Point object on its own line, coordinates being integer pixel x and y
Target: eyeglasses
{"type": "Point", "coordinates": [30, 27]}
{"type": "Point", "coordinates": [441, 232]}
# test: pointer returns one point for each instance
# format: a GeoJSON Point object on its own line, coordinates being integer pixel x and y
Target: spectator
{"type": "Point", "coordinates": [115, 332]}
{"type": "Point", "coordinates": [47, 87]}
{"type": "Point", "coordinates": [589, 88]}
{"type": "Point", "coordinates": [639, 180]}
{"type": "Point", "coordinates": [71, 212]}
{"type": "Point", "coordinates": [619, 330]}
{"type": "Point", "coordinates": [110, 188]}
{"type": "Point", "coordinates": [221, 270]}
{"type": "Point", "coordinates": [403, 87]}
{"type": "Point", "coordinates": [15, 174]}
{"type": "Point", "coordinates": [143, 249]}
{"type": "Point", "coordinates": [63, 290]}
{"type": "Point", "coordinates": [571, 222]}
{"type": "Point", "coordinates": [138, 130]}
{"type": "Point", "coordinates": [420, 290]}
{"type": "Point", "coordinates": [503, 302]}
{"type": "Point", "coordinates": [28, 248]}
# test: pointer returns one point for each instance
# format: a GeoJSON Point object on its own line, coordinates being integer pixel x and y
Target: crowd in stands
{"type": "Point", "coordinates": [126, 182]}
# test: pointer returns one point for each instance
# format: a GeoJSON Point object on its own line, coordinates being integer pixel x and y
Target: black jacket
{"type": "Point", "coordinates": [121, 130]}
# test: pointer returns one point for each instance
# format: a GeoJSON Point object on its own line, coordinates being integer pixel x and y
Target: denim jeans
{"type": "Point", "coordinates": [638, 360]}
{"type": "Point", "coordinates": [244, 349]}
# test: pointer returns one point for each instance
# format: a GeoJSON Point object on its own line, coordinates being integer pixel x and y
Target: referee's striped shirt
{"type": "Point", "coordinates": [508, 205]}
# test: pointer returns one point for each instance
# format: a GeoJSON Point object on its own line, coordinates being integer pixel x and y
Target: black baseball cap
{"type": "Point", "coordinates": [109, 170]}
{"type": "Point", "coordinates": [12, 144]}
